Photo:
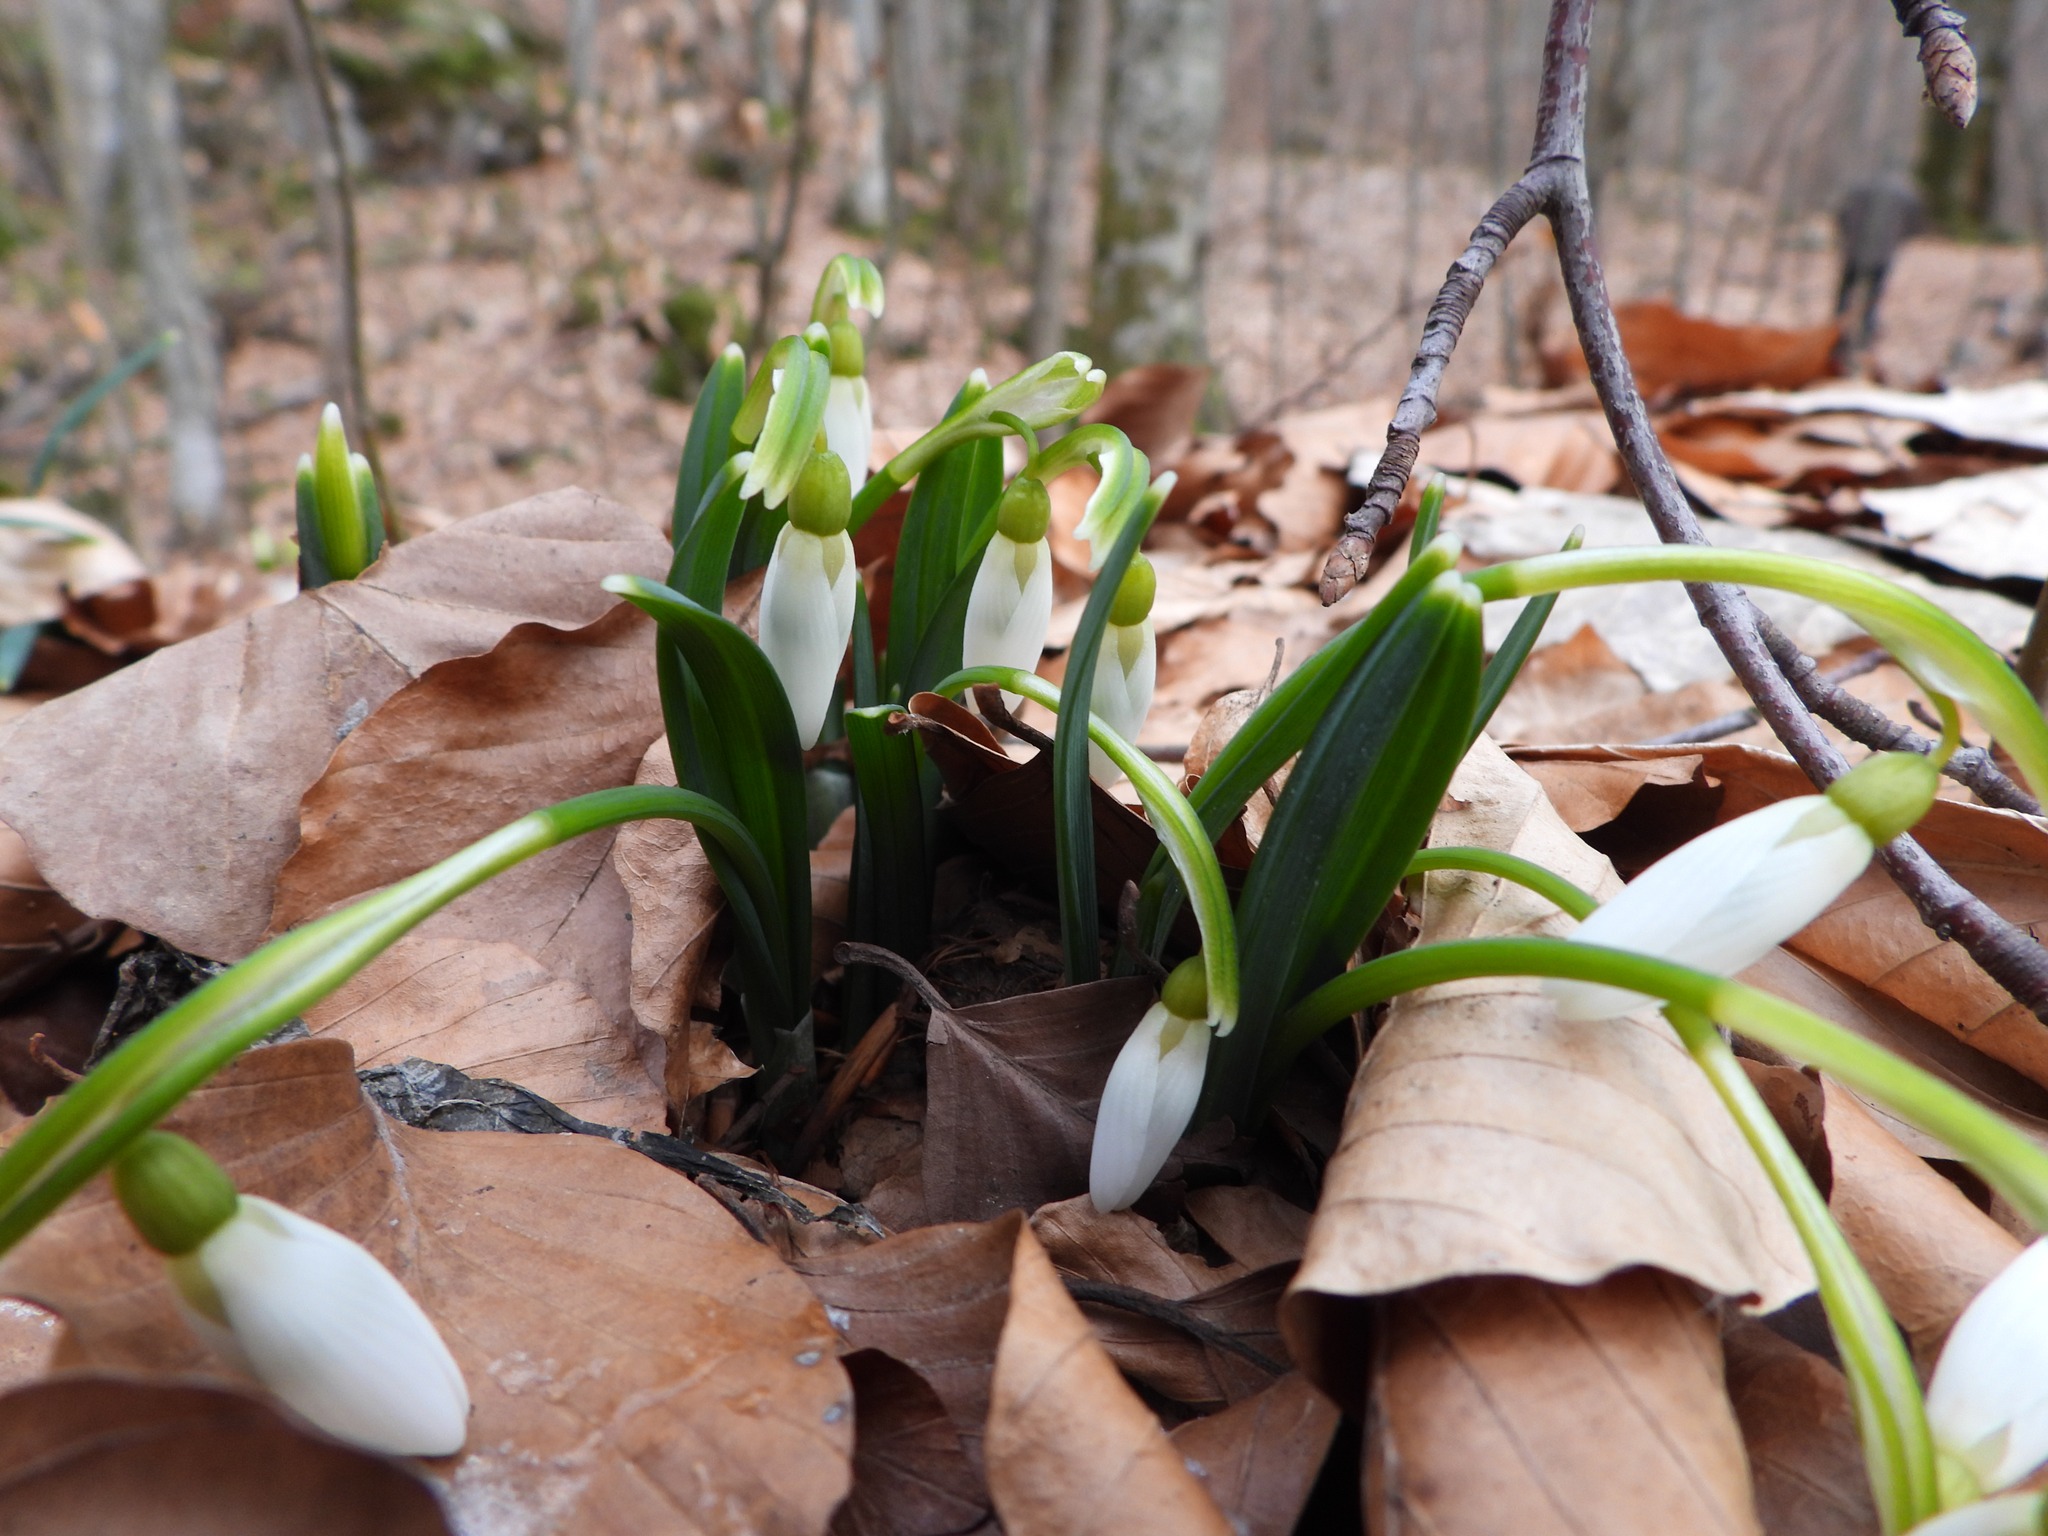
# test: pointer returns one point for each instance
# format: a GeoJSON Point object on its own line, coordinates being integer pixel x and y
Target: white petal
{"type": "Point", "coordinates": [850, 425]}
{"type": "Point", "coordinates": [1724, 900]}
{"type": "Point", "coordinates": [1006, 616]}
{"type": "Point", "coordinates": [1988, 1401]}
{"type": "Point", "coordinates": [1125, 671]}
{"type": "Point", "coordinates": [806, 616]}
{"type": "Point", "coordinates": [331, 1331]}
{"type": "Point", "coordinates": [1145, 1107]}
{"type": "Point", "coordinates": [2016, 1514]}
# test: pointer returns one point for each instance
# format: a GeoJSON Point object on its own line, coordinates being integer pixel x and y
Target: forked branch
{"type": "Point", "coordinates": [1555, 186]}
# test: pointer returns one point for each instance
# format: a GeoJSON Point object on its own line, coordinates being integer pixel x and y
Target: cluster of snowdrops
{"type": "Point", "coordinates": [775, 472]}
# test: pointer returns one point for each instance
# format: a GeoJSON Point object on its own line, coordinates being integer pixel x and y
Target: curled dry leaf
{"type": "Point", "coordinates": [1071, 1450]}
{"type": "Point", "coordinates": [1486, 1137]}
{"type": "Point", "coordinates": [1251, 1223]}
{"type": "Point", "coordinates": [675, 902]}
{"type": "Point", "coordinates": [934, 1299]}
{"type": "Point", "coordinates": [167, 795]}
{"type": "Point", "coordinates": [1010, 1095]}
{"type": "Point", "coordinates": [636, 1361]}
{"type": "Point", "coordinates": [99, 1454]}
{"type": "Point", "coordinates": [1505, 1404]}
{"type": "Point", "coordinates": [524, 978]}
{"type": "Point", "coordinates": [1926, 1246]}
{"type": "Point", "coordinates": [1677, 354]}
{"type": "Point", "coordinates": [1258, 1459]}
{"type": "Point", "coordinates": [911, 1477]}
{"type": "Point", "coordinates": [1872, 932]}
{"type": "Point", "coordinates": [1799, 1428]}
{"type": "Point", "coordinates": [51, 556]}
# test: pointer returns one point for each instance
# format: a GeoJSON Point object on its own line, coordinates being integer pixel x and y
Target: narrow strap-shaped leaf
{"type": "Point", "coordinates": [892, 895]}
{"type": "Point", "coordinates": [704, 553]}
{"type": "Point", "coordinates": [953, 495]}
{"type": "Point", "coordinates": [867, 683]}
{"type": "Point", "coordinates": [1505, 665]}
{"type": "Point", "coordinates": [1356, 807]}
{"type": "Point", "coordinates": [1429, 511]}
{"type": "Point", "coordinates": [708, 444]}
{"type": "Point", "coordinates": [1073, 809]}
{"type": "Point", "coordinates": [89, 400]}
{"type": "Point", "coordinates": [939, 647]}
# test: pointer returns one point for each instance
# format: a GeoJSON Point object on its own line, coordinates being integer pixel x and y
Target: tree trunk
{"type": "Point", "coordinates": [991, 179]}
{"type": "Point", "coordinates": [85, 73]}
{"type": "Point", "coordinates": [1075, 72]}
{"type": "Point", "coordinates": [152, 158]}
{"type": "Point", "coordinates": [864, 191]}
{"type": "Point", "coordinates": [1165, 107]}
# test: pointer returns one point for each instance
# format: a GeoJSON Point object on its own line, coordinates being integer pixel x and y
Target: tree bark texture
{"type": "Point", "coordinates": [1160, 125]}
{"type": "Point", "coordinates": [991, 178]}
{"type": "Point", "coordinates": [1075, 69]}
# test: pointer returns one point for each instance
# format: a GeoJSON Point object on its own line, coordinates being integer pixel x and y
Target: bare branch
{"type": "Point", "coordinates": [1945, 57]}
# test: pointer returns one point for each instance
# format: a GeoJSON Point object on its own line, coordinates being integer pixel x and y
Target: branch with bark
{"type": "Point", "coordinates": [1783, 684]}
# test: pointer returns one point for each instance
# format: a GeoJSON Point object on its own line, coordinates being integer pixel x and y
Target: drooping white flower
{"type": "Point", "coordinates": [1010, 604]}
{"type": "Point", "coordinates": [849, 413]}
{"type": "Point", "coordinates": [327, 1328]}
{"type": "Point", "coordinates": [807, 596]}
{"type": "Point", "coordinates": [1127, 666]}
{"type": "Point", "coordinates": [2012, 1514]}
{"type": "Point", "coordinates": [1152, 1091]}
{"type": "Point", "coordinates": [1726, 899]}
{"type": "Point", "coordinates": [305, 1311]}
{"type": "Point", "coordinates": [1988, 1402]}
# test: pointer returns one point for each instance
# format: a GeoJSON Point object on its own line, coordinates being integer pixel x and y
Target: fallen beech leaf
{"type": "Point", "coordinates": [934, 1299]}
{"type": "Point", "coordinates": [1486, 1137]}
{"type": "Point", "coordinates": [99, 1454]}
{"type": "Point", "coordinates": [1571, 450]}
{"type": "Point", "coordinates": [1679, 354]}
{"type": "Point", "coordinates": [910, 1475]}
{"type": "Point", "coordinates": [1071, 1450]}
{"type": "Point", "coordinates": [28, 1342]}
{"type": "Point", "coordinates": [636, 1361]}
{"type": "Point", "coordinates": [1011, 1089]}
{"type": "Point", "coordinates": [1505, 1404]}
{"type": "Point", "coordinates": [51, 555]}
{"type": "Point", "coordinates": [1258, 1459]}
{"type": "Point", "coordinates": [1926, 1246]}
{"type": "Point", "coordinates": [674, 901]}
{"type": "Point", "coordinates": [1251, 1223]}
{"type": "Point", "coordinates": [167, 795]}
{"type": "Point", "coordinates": [1154, 405]}
{"type": "Point", "coordinates": [1122, 1248]}
{"type": "Point", "coordinates": [1799, 1428]}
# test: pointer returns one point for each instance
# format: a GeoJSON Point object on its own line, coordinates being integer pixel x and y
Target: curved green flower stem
{"type": "Point", "coordinates": [1997, 1151]}
{"type": "Point", "coordinates": [82, 1132]}
{"type": "Point", "coordinates": [1179, 829]}
{"type": "Point", "coordinates": [1941, 654]}
{"type": "Point", "coordinates": [1898, 1450]}
{"type": "Point", "coordinates": [1548, 884]}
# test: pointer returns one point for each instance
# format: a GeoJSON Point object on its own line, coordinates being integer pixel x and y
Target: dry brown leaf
{"type": "Point", "coordinates": [1486, 1137]}
{"type": "Point", "coordinates": [39, 930]}
{"type": "Point", "coordinates": [1071, 1450]}
{"type": "Point", "coordinates": [1570, 450]}
{"type": "Point", "coordinates": [1799, 1427]}
{"type": "Point", "coordinates": [1678, 354]}
{"type": "Point", "coordinates": [934, 1299]}
{"type": "Point", "coordinates": [1506, 1404]}
{"type": "Point", "coordinates": [1154, 405]}
{"type": "Point", "coordinates": [1258, 1459]}
{"type": "Point", "coordinates": [167, 795]}
{"type": "Point", "coordinates": [911, 1476]}
{"type": "Point", "coordinates": [99, 1454]}
{"type": "Point", "coordinates": [1251, 1223]}
{"type": "Point", "coordinates": [28, 1342]}
{"type": "Point", "coordinates": [1122, 1248]}
{"type": "Point", "coordinates": [1011, 1089]}
{"type": "Point", "coordinates": [636, 1361]}
{"type": "Point", "coordinates": [675, 902]}
{"type": "Point", "coordinates": [1926, 1246]}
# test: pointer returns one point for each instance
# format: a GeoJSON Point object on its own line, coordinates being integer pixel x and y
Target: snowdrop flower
{"type": "Point", "coordinates": [2014, 1514]}
{"type": "Point", "coordinates": [1151, 1091]}
{"type": "Point", "coordinates": [1126, 667]}
{"type": "Point", "coordinates": [807, 596]}
{"type": "Point", "coordinates": [1988, 1402]}
{"type": "Point", "coordinates": [1725, 900]}
{"type": "Point", "coordinates": [849, 415]}
{"type": "Point", "coordinates": [305, 1311]}
{"type": "Point", "coordinates": [1011, 602]}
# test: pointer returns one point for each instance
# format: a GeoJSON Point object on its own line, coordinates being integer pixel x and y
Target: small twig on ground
{"type": "Point", "coordinates": [1555, 186]}
{"type": "Point", "coordinates": [1743, 719]}
{"type": "Point", "coordinates": [337, 202]}
{"type": "Point", "coordinates": [1144, 1304]}
{"type": "Point", "coordinates": [997, 713]}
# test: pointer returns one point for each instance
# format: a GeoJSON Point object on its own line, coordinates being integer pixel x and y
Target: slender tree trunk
{"type": "Point", "coordinates": [991, 179]}
{"type": "Point", "coordinates": [1164, 109]}
{"type": "Point", "coordinates": [1074, 81]}
{"type": "Point", "coordinates": [152, 158]}
{"type": "Point", "coordinates": [85, 72]}
{"type": "Point", "coordinates": [864, 197]}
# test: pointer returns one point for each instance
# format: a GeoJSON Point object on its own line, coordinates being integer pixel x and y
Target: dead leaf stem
{"type": "Point", "coordinates": [1555, 185]}
{"type": "Point", "coordinates": [1127, 1298]}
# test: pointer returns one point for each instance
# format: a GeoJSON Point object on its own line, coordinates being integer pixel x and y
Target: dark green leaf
{"type": "Point", "coordinates": [954, 495]}
{"type": "Point", "coordinates": [892, 894]}
{"type": "Point", "coordinates": [88, 402]}
{"type": "Point", "coordinates": [709, 442]}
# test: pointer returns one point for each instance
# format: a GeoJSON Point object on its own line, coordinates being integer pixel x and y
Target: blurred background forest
{"type": "Point", "coordinates": [562, 208]}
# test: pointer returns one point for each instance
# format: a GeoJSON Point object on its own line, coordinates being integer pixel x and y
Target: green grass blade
{"type": "Point", "coordinates": [892, 894]}
{"type": "Point", "coordinates": [708, 444]}
{"type": "Point", "coordinates": [89, 401]}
